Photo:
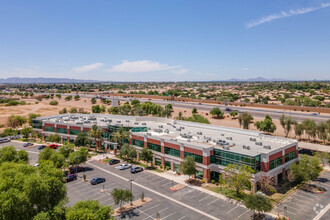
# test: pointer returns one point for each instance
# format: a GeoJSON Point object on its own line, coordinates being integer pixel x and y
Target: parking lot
{"type": "Point", "coordinates": [306, 205]}
{"type": "Point", "coordinates": [187, 203]}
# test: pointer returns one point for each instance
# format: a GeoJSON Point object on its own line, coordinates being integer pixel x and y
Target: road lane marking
{"type": "Point", "coordinates": [158, 193]}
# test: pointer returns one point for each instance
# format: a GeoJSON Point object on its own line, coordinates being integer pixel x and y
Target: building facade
{"type": "Point", "coordinates": [212, 147]}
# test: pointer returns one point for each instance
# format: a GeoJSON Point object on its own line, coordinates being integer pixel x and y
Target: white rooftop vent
{"type": "Point", "coordinates": [143, 123]}
{"type": "Point", "coordinates": [253, 139]}
{"type": "Point", "coordinates": [226, 147]}
{"type": "Point", "coordinates": [136, 123]}
{"type": "Point", "coordinates": [188, 140]}
{"type": "Point", "coordinates": [174, 139]}
{"type": "Point", "coordinates": [178, 129]}
{"type": "Point", "coordinates": [246, 147]}
{"type": "Point", "coordinates": [127, 121]}
{"type": "Point", "coordinates": [229, 138]}
{"type": "Point", "coordinates": [259, 143]}
{"type": "Point", "coordinates": [199, 132]}
{"type": "Point", "coordinates": [267, 147]}
{"type": "Point", "coordinates": [149, 134]}
{"type": "Point", "coordinates": [160, 126]}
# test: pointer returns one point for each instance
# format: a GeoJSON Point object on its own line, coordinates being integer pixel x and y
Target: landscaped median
{"type": "Point", "coordinates": [135, 204]}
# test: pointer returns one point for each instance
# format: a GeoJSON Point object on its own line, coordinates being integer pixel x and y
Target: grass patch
{"type": "Point", "coordinates": [197, 118]}
{"type": "Point", "coordinates": [26, 140]}
{"type": "Point", "coordinates": [228, 192]}
{"type": "Point", "coordinates": [106, 160]}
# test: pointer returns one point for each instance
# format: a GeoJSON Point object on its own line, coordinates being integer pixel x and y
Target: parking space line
{"type": "Point", "coordinates": [242, 214]}
{"type": "Point", "coordinates": [212, 202]}
{"type": "Point", "coordinates": [155, 214]}
{"type": "Point", "coordinates": [296, 203]}
{"type": "Point", "coordinates": [303, 197]}
{"type": "Point", "coordinates": [160, 181]}
{"type": "Point", "coordinates": [166, 184]}
{"type": "Point", "coordinates": [85, 193]}
{"type": "Point", "coordinates": [151, 207]}
{"type": "Point", "coordinates": [204, 198]}
{"type": "Point", "coordinates": [168, 215]}
{"type": "Point", "coordinates": [307, 194]}
{"type": "Point", "coordinates": [233, 209]}
{"type": "Point", "coordinates": [182, 218]}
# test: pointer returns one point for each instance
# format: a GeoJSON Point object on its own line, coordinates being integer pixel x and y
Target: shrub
{"type": "Point", "coordinates": [212, 181]}
{"type": "Point", "coordinates": [54, 102]}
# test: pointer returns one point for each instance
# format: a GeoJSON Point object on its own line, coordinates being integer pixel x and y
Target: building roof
{"type": "Point", "coordinates": [195, 135]}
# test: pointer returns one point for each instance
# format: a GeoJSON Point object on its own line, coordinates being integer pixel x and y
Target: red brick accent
{"type": "Point", "coordinates": [49, 125]}
{"type": "Point", "coordinates": [140, 138]}
{"type": "Point", "coordinates": [75, 128]}
{"type": "Point", "coordinates": [297, 153]}
{"type": "Point", "coordinates": [206, 160]}
{"type": "Point", "coordinates": [68, 139]}
{"type": "Point", "coordinates": [162, 149]}
{"type": "Point", "coordinates": [43, 128]}
{"type": "Point", "coordinates": [145, 145]}
{"type": "Point", "coordinates": [283, 174]}
{"type": "Point", "coordinates": [264, 166]}
{"type": "Point", "coordinates": [276, 155]}
{"type": "Point", "coordinates": [283, 159]}
{"type": "Point", "coordinates": [86, 129]}
{"type": "Point", "coordinates": [173, 146]}
{"type": "Point", "coordinates": [181, 154]}
{"type": "Point", "coordinates": [193, 151]}
{"type": "Point", "coordinates": [290, 149]}
{"type": "Point", "coordinates": [162, 161]}
{"type": "Point", "coordinates": [152, 141]}
{"type": "Point", "coordinates": [206, 175]}
{"type": "Point", "coordinates": [61, 126]}
{"type": "Point", "coordinates": [211, 152]}
{"type": "Point", "coordinates": [130, 141]}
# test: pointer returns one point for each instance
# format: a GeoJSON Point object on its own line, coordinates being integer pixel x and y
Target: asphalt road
{"type": "Point", "coordinates": [275, 114]}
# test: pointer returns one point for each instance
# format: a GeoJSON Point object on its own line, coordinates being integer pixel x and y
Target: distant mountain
{"type": "Point", "coordinates": [257, 79]}
{"type": "Point", "coordinates": [40, 80]}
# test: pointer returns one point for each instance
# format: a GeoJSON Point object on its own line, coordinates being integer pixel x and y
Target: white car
{"type": "Point", "coordinates": [36, 165]}
{"type": "Point", "coordinates": [124, 166]}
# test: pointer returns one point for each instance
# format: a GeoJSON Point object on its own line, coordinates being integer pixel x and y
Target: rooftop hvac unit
{"type": "Point", "coordinates": [136, 123]}
{"type": "Point", "coordinates": [167, 131]}
{"type": "Point", "coordinates": [222, 134]}
{"type": "Point", "coordinates": [127, 120]}
{"type": "Point", "coordinates": [267, 147]}
{"type": "Point", "coordinates": [246, 147]}
{"type": "Point", "coordinates": [158, 130]}
{"type": "Point", "coordinates": [226, 147]}
{"type": "Point", "coordinates": [229, 138]}
{"type": "Point", "coordinates": [118, 121]}
{"type": "Point", "coordinates": [143, 123]}
{"type": "Point", "coordinates": [160, 126]}
{"type": "Point", "coordinates": [178, 129]}
{"type": "Point", "coordinates": [199, 133]}
{"type": "Point", "coordinates": [149, 129]}
{"type": "Point", "coordinates": [182, 128]}
{"type": "Point", "coordinates": [208, 138]}
{"type": "Point", "coordinates": [253, 139]}
{"type": "Point", "coordinates": [259, 143]}
{"type": "Point", "coordinates": [174, 139]}
{"type": "Point", "coordinates": [188, 140]}
{"type": "Point", "coordinates": [149, 134]}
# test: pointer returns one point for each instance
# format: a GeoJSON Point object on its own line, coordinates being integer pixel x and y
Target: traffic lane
{"type": "Point", "coordinates": [78, 190]}
{"type": "Point", "coordinates": [306, 205]}
{"type": "Point", "coordinates": [195, 198]}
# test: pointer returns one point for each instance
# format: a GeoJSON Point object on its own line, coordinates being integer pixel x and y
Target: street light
{"type": "Point", "coordinates": [130, 186]}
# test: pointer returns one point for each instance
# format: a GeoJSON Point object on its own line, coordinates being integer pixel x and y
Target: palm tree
{"type": "Point", "coordinates": [97, 134]}
{"type": "Point", "coordinates": [120, 135]}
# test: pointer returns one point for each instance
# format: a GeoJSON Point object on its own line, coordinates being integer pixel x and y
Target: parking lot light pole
{"type": "Point", "coordinates": [285, 211]}
{"type": "Point", "coordinates": [131, 180]}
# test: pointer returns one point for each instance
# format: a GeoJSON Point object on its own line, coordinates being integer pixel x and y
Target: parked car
{"type": "Point", "coordinates": [5, 140]}
{"type": "Point", "coordinates": [27, 144]}
{"type": "Point", "coordinates": [114, 161]}
{"type": "Point", "coordinates": [36, 165]}
{"type": "Point", "coordinates": [40, 147]}
{"type": "Point", "coordinates": [71, 177]}
{"type": "Point", "coordinates": [76, 169]}
{"type": "Point", "coordinates": [136, 169]}
{"type": "Point", "coordinates": [124, 166]}
{"type": "Point", "coordinates": [53, 146]}
{"type": "Point", "coordinates": [97, 180]}
{"type": "Point", "coordinates": [315, 114]}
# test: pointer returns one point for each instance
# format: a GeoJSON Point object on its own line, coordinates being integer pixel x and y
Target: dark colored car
{"type": "Point", "coordinates": [40, 147]}
{"type": "Point", "coordinates": [27, 144]}
{"type": "Point", "coordinates": [53, 146]}
{"type": "Point", "coordinates": [114, 161]}
{"type": "Point", "coordinates": [71, 177]}
{"type": "Point", "coordinates": [97, 180]}
{"type": "Point", "coordinates": [76, 169]}
{"type": "Point", "coordinates": [136, 169]}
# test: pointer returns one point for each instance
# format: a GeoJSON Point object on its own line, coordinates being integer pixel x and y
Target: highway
{"type": "Point", "coordinates": [275, 114]}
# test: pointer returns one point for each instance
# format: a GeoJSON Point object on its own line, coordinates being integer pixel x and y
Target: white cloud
{"type": "Point", "coordinates": [87, 68]}
{"type": "Point", "coordinates": [284, 14]}
{"type": "Point", "coordinates": [180, 71]}
{"type": "Point", "coordinates": [141, 66]}
{"type": "Point", "coordinates": [245, 68]}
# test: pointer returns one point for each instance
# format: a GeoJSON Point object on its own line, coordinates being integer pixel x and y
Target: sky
{"type": "Point", "coordinates": [172, 40]}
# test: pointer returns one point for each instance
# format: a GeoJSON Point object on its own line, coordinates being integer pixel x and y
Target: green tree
{"type": "Point", "coordinates": [322, 131]}
{"type": "Point", "coordinates": [76, 97]}
{"type": "Point", "coordinates": [259, 203]}
{"type": "Point", "coordinates": [238, 176]}
{"type": "Point", "coordinates": [32, 116]}
{"type": "Point", "coordinates": [73, 110]}
{"type": "Point", "coordinates": [26, 131]}
{"type": "Point", "coordinates": [298, 129]}
{"type": "Point", "coordinates": [146, 155]}
{"type": "Point", "coordinates": [135, 102]}
{"type": "Point", "coordinates": [58, 96]}
{"type": "Point", "coordinates": [88, 210]}
{"type": "Point", "coordinates": [189, 166]}
{"type": "Point", "coordinates": [127, 152]}
{"type": "Point", "coordinates": [82, 140]}
{"type": "Point", "coordinates": [93, 100]}
{"type": "Point", "coordinates": [233, 114]}
{"type": "Point", "coordinates": [9, 132]}
{"type": "Point", "coordinates": [96, 134]}
{"type": "Point", "coordinates": [35, 190]}
{"type": "Point", "coordinates": [121, 195]}
{"type": "Point", "coordinates": [217, 112]}
{"type": "Point", "coordinates": [68, 98]}
{"type": "Point", "coordinates": [194, 111]}
{"type": "Point", "coordinates": [16, 121]}
{"type": "Point", "coordinates": [79, 156]}
{"type": "Point", "coordinates": [266, 125]}
{"type": "Point", "coordinates": [322, 156]}
{"type": "Point", "coordinates": [46, 154]}
{"type": "Point", "coordinates": [9, 154]}
{"type": "Point", "coordinates": [55, 138]}
{"type": "Point", "coordinates": [245, 119]}
{"type": "Point", "coordinates": [63, 111]}
{"type": "Point", "coordinates": [180, 116]}
{"type": "Point", "coordinates": [54, 102]}
{"type": "Point", "coordinates": [58, 159]}
{"type": "Point", "coordinates": [310, 128]}
{"type": "Point", "coordinates": [308, 168]}
{"type": "Point", "coordinates": [287, 124]}
{"type": "Point", "coordinates": [120, 136]}
{"type": "Point", "coordinates": [66, 149]}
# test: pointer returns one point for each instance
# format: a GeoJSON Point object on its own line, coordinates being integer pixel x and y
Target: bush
{"type": "Point", "coordinates": [54, 102]}
{"type": "Point", "coordinates": [212, 181]}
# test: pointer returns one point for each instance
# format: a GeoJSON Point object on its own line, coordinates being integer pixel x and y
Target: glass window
{"type": "Point", "coordinates": [51, 129]}
{"type": "Point", "coordinates": [290, 156]}
{"type": "Point", "coordinates": [172, 152]}
{"type": "Point", "coordinates": [74, 132]}
{"type": "Point", "coordinates": [62, 130]}
{"type": "Point", "coordinates": [198, 158]}
{"type": "Point", "coordinates": [154, 147]}
{"type": "Point", "coordinates": [275, 163]}
{"type": "Point", "coordinates": [37, 124]}
{"type": "Point", "coordinates": [138, 143]}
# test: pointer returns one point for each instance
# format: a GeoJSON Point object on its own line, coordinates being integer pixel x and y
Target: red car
{"type": "Point", "coordinates": [53, 146]}
{"type": "Point", "coordinates": [71, 177]}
